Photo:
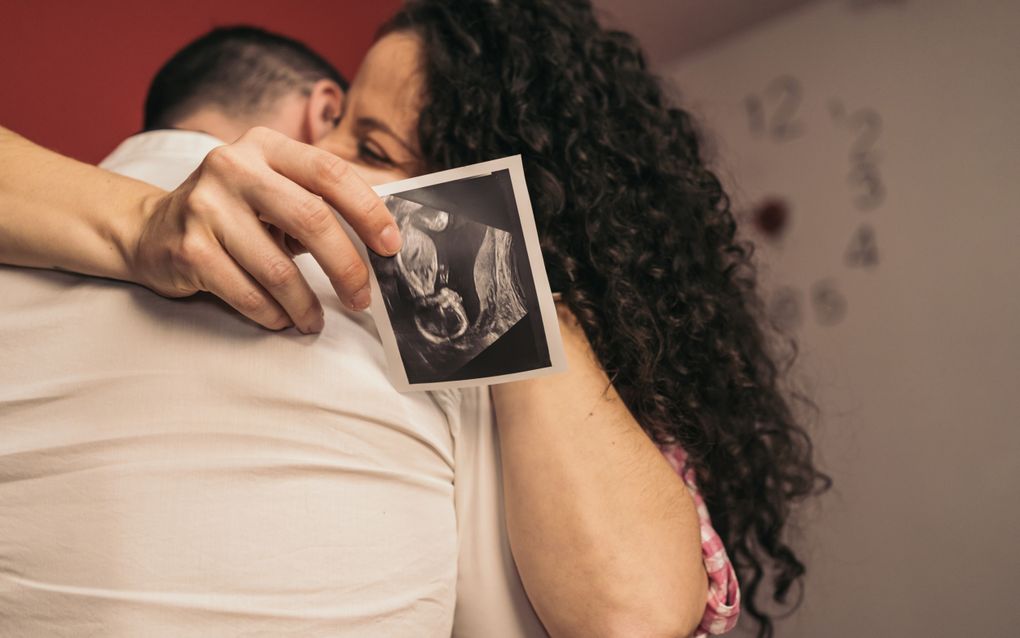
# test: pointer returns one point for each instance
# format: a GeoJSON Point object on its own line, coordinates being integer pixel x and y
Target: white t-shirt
{"type": "Point", "coordinates": [162, 158]}
{"type": "Point", "coordinates": [345, 488]}
{"type": "Point", "coordinates": [168, 468]}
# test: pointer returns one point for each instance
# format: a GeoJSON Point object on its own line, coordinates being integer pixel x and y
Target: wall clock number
{"type": "Point", "coordinates": [785, 308]}
{"type": "Point", "coordinates": [774, 112]}
{"type": "Point", "coordinates": [862, 251]}
{"type": "Point", "coordinates": [867, 182]}
{"type": "Point", "coordinates": [828, 302]}
{"type": "Point", "coordinates": [864, 177]}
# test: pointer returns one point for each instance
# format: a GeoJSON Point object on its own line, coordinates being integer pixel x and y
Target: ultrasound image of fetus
{"type": "Point", "coordinates": [450, 292]}
{"type": "Point", "coordinates": [439, 311]}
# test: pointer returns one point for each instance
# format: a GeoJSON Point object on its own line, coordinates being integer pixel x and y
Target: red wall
{"type": "Point", "coordinates": [73, 74]}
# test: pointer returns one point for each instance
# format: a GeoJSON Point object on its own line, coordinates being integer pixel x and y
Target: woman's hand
{"type": "Point", "coordinates": [232, 227]}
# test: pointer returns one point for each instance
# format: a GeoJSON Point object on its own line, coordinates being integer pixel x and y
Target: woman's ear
{"type": "Point", "coordinates": [323, 109]}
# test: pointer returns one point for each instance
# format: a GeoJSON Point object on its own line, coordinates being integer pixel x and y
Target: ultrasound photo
{"type": "Point", "coordinates": [466, 301]}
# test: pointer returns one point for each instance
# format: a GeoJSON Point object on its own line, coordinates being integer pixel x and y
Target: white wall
{"type": "Point", "coordinates": [918, 379]}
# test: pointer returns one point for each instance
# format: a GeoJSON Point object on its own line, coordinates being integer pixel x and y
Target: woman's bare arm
{"type": "Point", "coordinates": [208, 234]}
{"type": "Point", "coordinates": [56, 212]}
{"type": "Point", "coordinates": [603, 531]}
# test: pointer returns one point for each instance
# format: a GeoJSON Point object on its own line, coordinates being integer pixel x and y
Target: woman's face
{"type": "Point", "coordinates": [378, 130]}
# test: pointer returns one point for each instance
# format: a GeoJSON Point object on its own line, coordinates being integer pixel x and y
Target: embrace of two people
{"type": "Point", "coordinates": [169, 467]}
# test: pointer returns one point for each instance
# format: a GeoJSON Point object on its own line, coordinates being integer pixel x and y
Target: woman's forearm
{"type": "Point", "coordinates": [603, 531]}
{"type": "Point", "coordinates": [56, 212]}
{"type": "Point", "coordinates": [221, 231]}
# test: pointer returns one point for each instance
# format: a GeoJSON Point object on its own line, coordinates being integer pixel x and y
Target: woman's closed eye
{"type": "Point", "coordinates": [373, 155]}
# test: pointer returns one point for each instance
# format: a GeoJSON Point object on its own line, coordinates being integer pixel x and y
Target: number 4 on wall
{"type": "Point", "coordinates": [862, 252]}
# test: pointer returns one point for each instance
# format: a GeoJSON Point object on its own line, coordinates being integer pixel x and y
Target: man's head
{"type": "Point", "coordinates": [233, 78]}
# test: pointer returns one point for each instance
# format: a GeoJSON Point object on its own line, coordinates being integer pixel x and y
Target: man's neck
{"type": "Point", "coordinates": [285, 115]}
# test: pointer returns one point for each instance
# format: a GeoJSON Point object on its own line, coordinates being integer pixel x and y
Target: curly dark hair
{"type": "Point", "coordinates": [638, 235]}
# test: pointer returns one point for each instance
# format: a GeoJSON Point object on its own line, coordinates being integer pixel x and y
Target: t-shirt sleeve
{"type": "Point", "coordinates": [722, 609]}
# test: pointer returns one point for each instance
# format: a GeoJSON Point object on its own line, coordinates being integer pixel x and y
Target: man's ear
{"type": "Point", "coordinates": [322, 110]}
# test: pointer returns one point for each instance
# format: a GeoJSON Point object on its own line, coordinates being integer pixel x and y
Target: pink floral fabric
{"type": "Point", "coordinates": [723, 606]}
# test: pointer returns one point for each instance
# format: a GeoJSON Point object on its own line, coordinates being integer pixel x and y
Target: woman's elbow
{"type": "Point", "coordinates": [649, 617]}
{"type": "Point", "coordinates": [662, 623]}
{"type": "Point", "coordinates": [671, 607]}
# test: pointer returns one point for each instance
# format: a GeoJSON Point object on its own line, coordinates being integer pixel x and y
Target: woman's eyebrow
{"type": "Point", "coordinates": [372, 123]}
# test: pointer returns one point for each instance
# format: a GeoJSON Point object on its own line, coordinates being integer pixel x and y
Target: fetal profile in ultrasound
{"type": "Point", "coordinates": [461, 295]}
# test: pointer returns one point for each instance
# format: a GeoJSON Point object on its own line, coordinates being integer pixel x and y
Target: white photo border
{"type": "Point", "coordinates": [546, 304]}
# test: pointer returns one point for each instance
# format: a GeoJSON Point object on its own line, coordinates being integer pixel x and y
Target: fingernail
{"type": "Point", "coordinates": [361, 299]}
{"type": "Point", "coordinates": [316, 325]}
{"type": "Point", "coordinates": [390, 239]}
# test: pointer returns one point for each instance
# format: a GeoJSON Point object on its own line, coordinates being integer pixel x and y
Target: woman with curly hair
{"type": "Point", "coordinates": [638, 235]}
{"type": "Point", "coordinates": [659, 309]}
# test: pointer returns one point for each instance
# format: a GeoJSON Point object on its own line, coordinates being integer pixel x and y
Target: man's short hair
{"type": "Point", "coordinates": [241, 70]}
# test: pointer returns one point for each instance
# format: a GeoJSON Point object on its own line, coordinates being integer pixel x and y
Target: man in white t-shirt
{"type": "Point", "coordinates": [168, 468]}
{"type": "Point", "coordinates": [284, 390]}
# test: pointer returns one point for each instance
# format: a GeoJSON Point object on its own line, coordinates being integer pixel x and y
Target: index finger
{"type": "Point", "coordinates": [333, 178]}
{"type": "Point", "coordinates": [299, 213]}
